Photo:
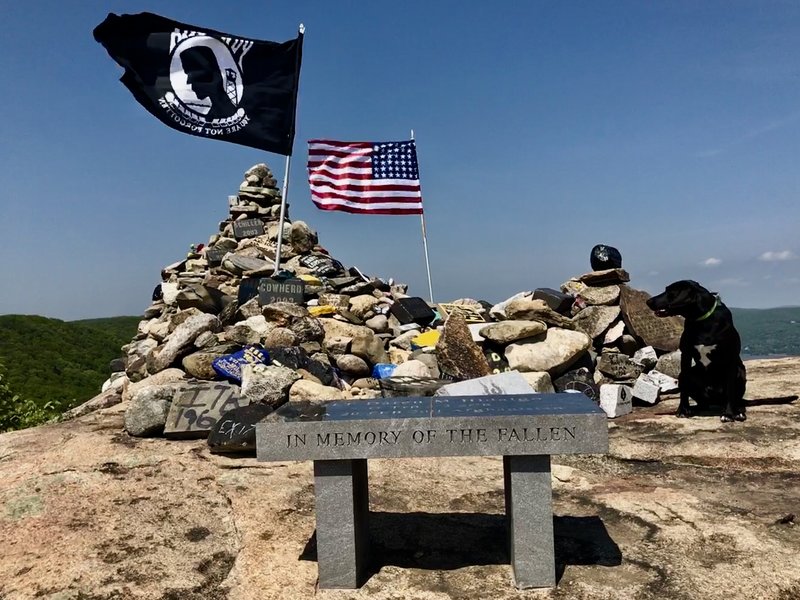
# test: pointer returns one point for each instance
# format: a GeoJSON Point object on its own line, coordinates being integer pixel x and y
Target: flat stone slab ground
{"type": "Point", "coordinates": [680, 509]}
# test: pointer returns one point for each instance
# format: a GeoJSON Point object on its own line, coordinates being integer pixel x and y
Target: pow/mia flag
{"type": "Point", "coordinates": [207, 83]}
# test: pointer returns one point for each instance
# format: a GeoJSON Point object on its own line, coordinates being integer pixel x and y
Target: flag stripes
{"type": "Point", "coordinates": [365, 177]}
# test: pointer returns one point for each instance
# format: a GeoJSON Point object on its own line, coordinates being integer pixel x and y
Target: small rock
{"type": "Point", "coordinates": [506, 332]}
{"type": "Point", "coordinates": [267, 384]}
{"type": "Point", "coordinates": [352, 365]}
{"type": "Point", "coordinates": [308, 390]}
{"type": "Point", "coordinates": [147, 412]}
{"type": "Point", "coordinates": [412, 368]}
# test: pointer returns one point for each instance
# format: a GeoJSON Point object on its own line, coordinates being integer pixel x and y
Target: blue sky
{"type": "Point", "coordinates": [670, 130]}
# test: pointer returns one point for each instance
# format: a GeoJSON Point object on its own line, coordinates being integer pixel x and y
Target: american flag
{"type": "Point", "coordinates": [378, 178]}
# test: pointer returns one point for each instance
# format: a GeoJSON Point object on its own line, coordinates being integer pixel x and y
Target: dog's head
{"type": "Point", "coordinates": [685, 298]}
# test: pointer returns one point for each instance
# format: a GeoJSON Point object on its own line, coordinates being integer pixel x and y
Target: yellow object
{"type": "Point", "coordinates": [310, 279]}
{"type": "Point", "coordinates": [427, 339]}
{"type": "Point", "coordinates": [325, 309]}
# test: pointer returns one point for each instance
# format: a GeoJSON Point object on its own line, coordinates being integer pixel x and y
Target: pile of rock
{"type": "Point", "coordinates": [226, 333]}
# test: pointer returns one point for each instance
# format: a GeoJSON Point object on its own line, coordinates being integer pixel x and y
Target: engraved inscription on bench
{"type": "Point", "coordinates": [434, 426]}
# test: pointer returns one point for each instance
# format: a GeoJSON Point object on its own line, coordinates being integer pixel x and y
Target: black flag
{"type": "Point", "coordinates": [207, 83]}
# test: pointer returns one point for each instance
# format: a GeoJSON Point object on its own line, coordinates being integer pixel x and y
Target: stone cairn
{"type": "Point", "coordinates": [225, 341]}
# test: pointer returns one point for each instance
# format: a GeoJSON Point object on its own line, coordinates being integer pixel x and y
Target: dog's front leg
{"type": "Point", "coordinates": [684, 410]}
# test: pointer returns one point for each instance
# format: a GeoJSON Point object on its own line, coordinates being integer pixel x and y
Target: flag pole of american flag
{"type": "Point", "coordinates": [379, 178]}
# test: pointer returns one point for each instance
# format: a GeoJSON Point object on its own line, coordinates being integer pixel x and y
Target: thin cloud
{"type": "Point", "coordinates": [776, 256]}
{"type": "Point", "coordinates": [750, 135]}
{"type": "Point", "coordinates": [711, 262]}
{"type": "Point", "coordinates": [732, 281]}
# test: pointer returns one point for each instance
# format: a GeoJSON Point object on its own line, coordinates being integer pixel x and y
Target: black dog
{"type": "Point", "coordinates": [712, 373]}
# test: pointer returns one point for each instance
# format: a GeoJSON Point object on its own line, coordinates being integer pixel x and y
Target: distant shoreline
{"type": "Point", "coordinates": [746, 357]}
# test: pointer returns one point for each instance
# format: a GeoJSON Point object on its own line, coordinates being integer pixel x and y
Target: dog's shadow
{"type": "Point", "coordinates": [447, 541]}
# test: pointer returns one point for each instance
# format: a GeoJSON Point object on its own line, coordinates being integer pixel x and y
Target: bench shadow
{"type": "Point", "coordinates": [448, 541]}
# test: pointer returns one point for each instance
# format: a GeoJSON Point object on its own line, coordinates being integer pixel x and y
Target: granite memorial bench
{"type": "Point", "coordinates": [340, 436]}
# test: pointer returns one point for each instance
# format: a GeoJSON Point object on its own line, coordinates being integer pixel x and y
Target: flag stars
{"type": "Point", "coordinates": [395, 160]}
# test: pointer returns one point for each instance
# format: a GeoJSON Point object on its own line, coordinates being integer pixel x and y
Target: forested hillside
{"type": "Point", "coordinates": [53, 365]}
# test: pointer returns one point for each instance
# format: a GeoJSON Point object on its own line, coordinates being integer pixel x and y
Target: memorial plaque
{"type": "Point", "coordinates": [470, 312]}
{"type": "Point", "coordinates": [322, 265]}
{"type": "Point", "coordinates": [495, 358]}
{"type": "Point", "coordinates": [247, 228]}
{"type": "Point", "coordinates": [412, 310]}
{"type": "Point", "coordinates": [197, 407]}
{"type": "Point", "coordinates": [214, 255]}
{"type": "Point", "coordinates": [520, 424]}
{"type": "Point", "coordinates": [287, 290]}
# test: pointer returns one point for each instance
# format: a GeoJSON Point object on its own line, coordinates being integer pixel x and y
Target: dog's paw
{"type": "Point", "coordinates": [740, 417]}
{"type": "Point", "coordinates": [727, 418]}
{"type": "Point", "coordinates": [683, 413]}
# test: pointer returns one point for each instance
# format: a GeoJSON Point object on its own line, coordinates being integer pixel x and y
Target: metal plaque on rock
{"type": "Point", "coordinates": [322, 265]}
{"type": "Point", "coordinates": [214, 255]}
{"type": "Point", "coordinates": [247, 228]}
{"type": "Point", "coordinates": [273, 290]}
{"type": "Point", "coordinates": [197, 407]}
{"type": "Point", "coordinates": [470, 312]}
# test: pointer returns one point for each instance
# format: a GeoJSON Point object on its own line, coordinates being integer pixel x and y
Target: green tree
{"type": "Point", "coordinates": [19, 413]}
{"type": "Point", "coordinates": [8, 403]}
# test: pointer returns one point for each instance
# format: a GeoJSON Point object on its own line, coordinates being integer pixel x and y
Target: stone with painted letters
{"type": "Point", "coordinates": [235, 432]}
{"type": "Point", "coordinates": [197, 407]}
{"type": "Point", "coordinates": [645, 357]}
{"type": "Point", "coordinates": [615, 399]}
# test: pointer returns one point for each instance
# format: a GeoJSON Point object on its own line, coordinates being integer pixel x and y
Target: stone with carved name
{"type": "Point", "coordinates": [663, 333]}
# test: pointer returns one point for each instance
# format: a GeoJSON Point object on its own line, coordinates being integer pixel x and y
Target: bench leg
{"type": "Point", "coordinates": [529, 510]}
{"type": "Point", "coordinates": [341, 491]}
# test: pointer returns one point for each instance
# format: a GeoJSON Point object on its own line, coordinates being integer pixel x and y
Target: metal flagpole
{"type": "Point", "coordinates": [425, 244]}
{"type": "Point", "coordinates": [284, 194]}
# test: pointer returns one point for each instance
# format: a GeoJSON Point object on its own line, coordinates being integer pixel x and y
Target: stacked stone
{"type": "Point", "coordinates": [347, 335]}
{"type": "Point", "coordinates": [598, 337]}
